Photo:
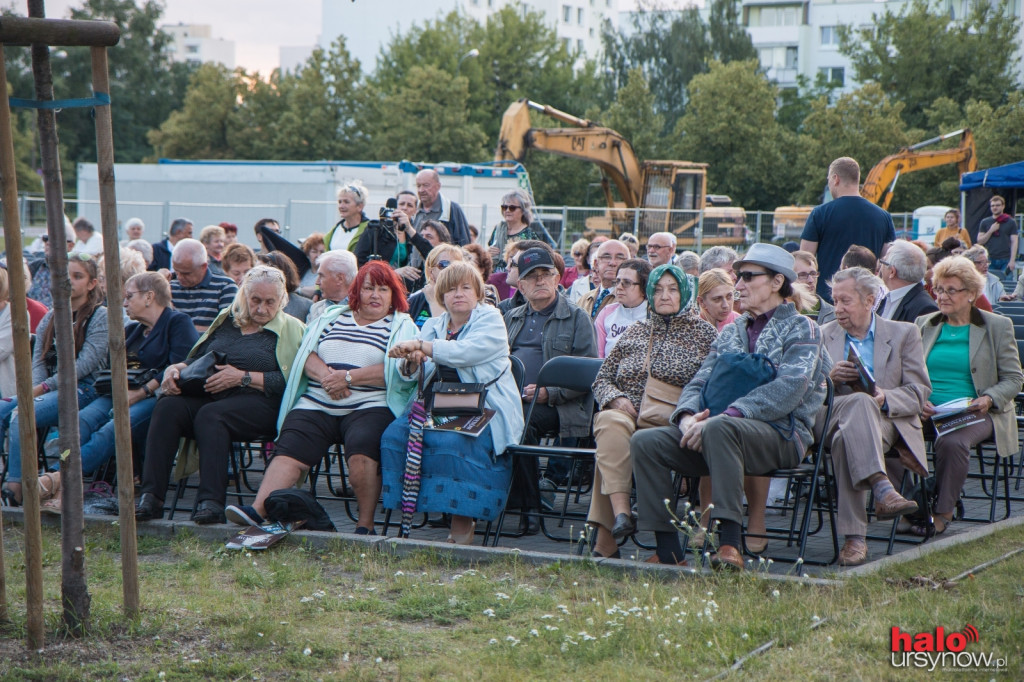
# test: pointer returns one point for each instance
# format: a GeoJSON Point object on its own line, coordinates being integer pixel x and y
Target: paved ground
{"type": "Point", "coordinates": [557, 533]}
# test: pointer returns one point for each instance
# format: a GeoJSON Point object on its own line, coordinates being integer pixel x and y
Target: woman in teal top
{"type": "Point", "coordinates": [972, 354]}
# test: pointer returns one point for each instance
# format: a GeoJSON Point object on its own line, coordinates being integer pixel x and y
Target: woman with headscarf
{"type": "Point", "coordinates": [666, 349]}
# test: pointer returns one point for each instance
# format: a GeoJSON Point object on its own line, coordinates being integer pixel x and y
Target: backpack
{"type": "Point", "coordinates": [734, 376]}
{"type": "Point", "coordinates": [292, 504]}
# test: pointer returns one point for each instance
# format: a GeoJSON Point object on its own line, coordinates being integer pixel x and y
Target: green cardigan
{"type": "Point", "coordinates": [360, 228]}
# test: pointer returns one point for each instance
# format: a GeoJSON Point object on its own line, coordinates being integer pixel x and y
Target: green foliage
{"type": "Point", "coordinates": [919, 55]}
{"type": "Point", "coordinates": [730, 124]}
{"type": "Point", "coordinates": [999, 131]}
{"type": "Point", "coordinates": [632, 114]}
{"type": "Point", "coordinates": [199, 130]}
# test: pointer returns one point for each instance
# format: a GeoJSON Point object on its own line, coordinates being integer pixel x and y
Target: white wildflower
{"type": "Point", "coordinates": [307, 651]}
{"type": "Point", "coordinates": [489, 613]}
{"type": "Point", "coordinates": [492, 641]}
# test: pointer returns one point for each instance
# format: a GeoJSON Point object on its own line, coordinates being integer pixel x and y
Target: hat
{"type": "Point", "coordinates": [531, 259]}
{"type": "Point", "coordinates": [770, 256]}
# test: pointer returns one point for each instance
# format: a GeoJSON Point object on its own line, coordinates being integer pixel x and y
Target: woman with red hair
{"type": "Point", "coordinates": [348, 392]}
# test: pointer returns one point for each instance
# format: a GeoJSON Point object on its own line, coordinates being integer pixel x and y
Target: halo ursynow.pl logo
{"type": "Point", "coordinates": [941, 649]}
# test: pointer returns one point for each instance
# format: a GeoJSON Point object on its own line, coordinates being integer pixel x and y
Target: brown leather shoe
{"type": "Point", "coordinates": [653, 559]}
{"type": "Point", "coordinates": [893, 505]}
{"type": "Point", "coordinates": [853, 553]}
{"type": "Point", "coordinates": [727, 557]}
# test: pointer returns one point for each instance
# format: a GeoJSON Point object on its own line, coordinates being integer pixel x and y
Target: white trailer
{"type": "Point", "coordinates": [301, 196]}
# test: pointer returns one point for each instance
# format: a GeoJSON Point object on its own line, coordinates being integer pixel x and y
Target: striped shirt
{"type": "Point", "coordinates": [203, 301]}
{"type": "Point", "coordinates": [346, 345]}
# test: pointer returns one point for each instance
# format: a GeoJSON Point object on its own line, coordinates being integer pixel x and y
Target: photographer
{"type": "Point", "coordinates": [391, 238]}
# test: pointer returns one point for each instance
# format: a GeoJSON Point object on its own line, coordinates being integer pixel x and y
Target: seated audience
{"type": "Point", "coordinates": [630, 304]}
{"type": "Point", "coordinates": [237, 260]}
{"type": "Point", "coordinates": [212, 237]}
{"type": "Point", "coordinates": [133, 231]}
{"type": "Point", "coordinates": [460, 475]}
{"type": "Point", "coordinates": [993, 286]}
{"type": "Point", "coordinates": [971, 354]}
{"type": "Point", "coordinates": [715, 296]}
{"type": "Point", "coordinates": [610, 255]}
{"type": "Point", "coordinates": [40, 268]}
{"type": "Point", "coordinates": [157, 337]}
{"type": "Point", "coordinates": [181, 228]}
{"type": "Point", "coordinates": [718, 257]}
{"type": "Point", "coordinates": [89, 240]}
{"type": "Point", "coordinates": [580, 267]}
{"type": "Point", "coordinates": [268, 223]}
{"type": "Point", "coordinates": [131, 265]}
{"type": "Point", "coordinates": [334, 276]}
{"type": "Point", "coordinates": [230, 233]}
{"type": "Point", "coordinates": [312, 246]}
{"type": "Point", "coordinates": [512, 252]}
{"type": "Point", "coordinates": [478, 257]}
{"type": "Point", "coordinates": [805, 265]}
{"type": "Point", "coordinates": [689, 262]}
{"type": "Point", "coordinates": [661, 249]}
{"type": "Point", "coordinates": [766, 429]}
{"type": "Point", "coordinates": [195, 290]}
{"type": "Point", "coordinates": [865, 426]}
{"type": "Point", "coordinates": [669, 347]}
{"type": "Point", "coordinates": [424, 305]}
{"type": "Point", "coordinates": [89, 329]}
{"type": "Point", "coordinates": [347, 391]}
{"type": "Point", "coordinates": [144, 248]}
{"type": "Point", "coordinates": [859, 256]}
{"type": "Point", "coordinates": [240, 402]}
{"type": "Point", "coordinates": [902, 271]}
{"type": "Point", "coordinates": [297, 306]}
{"type": "Point", "coordinates": [584, 284]}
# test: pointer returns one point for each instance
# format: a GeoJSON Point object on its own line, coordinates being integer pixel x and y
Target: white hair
{"type": "Point", "coordinates": [339, 261]}
{"type": "Point", "coordinates": [671, 237]}
{"type": "Point", "coordinates": [132, 222]}
{"type": "Point", "coordinates": [907, 260]}
{"type": "Point", "coordinates": [189, 249]}
{"type": "Point", "coordinates": [717, 257]}
{"type": "Point", "coordinates": [143, 247]}
{"type": "Point", "coordinates": [867, 284]}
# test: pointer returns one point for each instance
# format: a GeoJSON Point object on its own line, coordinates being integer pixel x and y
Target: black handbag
{"type": "Point", "coordinates": [734, 376]}
{"type": "Point", "coordinates": [192, 380]}
{"type": "Point", "coordinates": [137, 378]}
{"type": "Point", "coordinates": [456, 399]}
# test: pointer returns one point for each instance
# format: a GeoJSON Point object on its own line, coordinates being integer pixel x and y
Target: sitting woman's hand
{"type": "Point", "coordinates": [623, 405]}
{"type": "Point", "coordinates": [982, 404]}
{"type": "Point", "coordinates": [404, 349]}
{"type": "Point", "coordinates": [928, 410]}
{"type": "Point", "coordinates": [227, 377]}
{"type": "Point", "coordinates": [170, 383]}
{"type": "Point", "coordinates": [335, 385]}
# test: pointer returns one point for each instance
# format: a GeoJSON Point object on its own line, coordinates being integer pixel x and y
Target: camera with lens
{"type": "Point", "coordinates": [387, 217]}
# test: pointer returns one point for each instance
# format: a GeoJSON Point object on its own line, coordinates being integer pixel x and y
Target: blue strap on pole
{"type": "Point", "coordinates": [99, 99]}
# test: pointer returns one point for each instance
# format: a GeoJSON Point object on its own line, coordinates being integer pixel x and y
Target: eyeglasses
{"type": "Point", "coordinates": [625, 283]}
{"type": "Point", "coordinates": [609, 257]}
{"type": "Point", "coordinates": [947, 292]}
{"type": "Point", "coordinates": [747, 276]}
{"type": "Point", "coordinates": [513, 265]}
{"type": "Point", "coordinates": [509, 207]}
{"type": "Point", "coordinates": [808, 275]}
{"type": "Point", "coordinates": [128, 294]}
{"type": "Point", "coordinates": [442, 264]}
{"type": "Point", "coordinates": [885, 263]}
{"type": "Point", "coordinates": [538, 276]}
{"type": "Point", "coordinates": [658, 246]}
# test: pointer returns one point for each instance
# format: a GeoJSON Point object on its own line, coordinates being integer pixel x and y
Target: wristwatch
{"type": "Point", "coordinates": [348, 378]}
{"type": "Point", "coordinates": [246, 380]}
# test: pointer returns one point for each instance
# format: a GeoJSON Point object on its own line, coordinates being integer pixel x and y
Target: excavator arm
{"type": "Point", "coordinates": [586, 141]}
{"type": "Point", "coordinates": [881, 181]}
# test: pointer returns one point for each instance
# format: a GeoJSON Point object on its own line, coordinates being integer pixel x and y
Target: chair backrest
{"type": "Point", "coordinates": [566, 371]}
{"type": "Point", "coordinates": [518, 371]}
{"type": "Point", "coordinates": [1020, 347]}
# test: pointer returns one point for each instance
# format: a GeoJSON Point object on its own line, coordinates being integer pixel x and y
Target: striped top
{"type": "Point", "coordinates": [346, 345]}
{"type": "Point", "coordinates": [203, 301]}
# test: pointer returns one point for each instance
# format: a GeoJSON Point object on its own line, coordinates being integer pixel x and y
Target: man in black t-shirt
{"type": "Point", "coordinates": [999, 234]}
{"type": "Point", "coordinates": [848, 219]}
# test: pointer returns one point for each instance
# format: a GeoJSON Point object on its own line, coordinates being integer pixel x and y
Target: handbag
{"type": "Point", "coordinates": [192, 380]}
{"type": "Point", "coordinates": [137, 378]}
{"type": "Point", "coordinates": [457, 399]}
{"type": "Point", "coordinates": [660, 398]}
{"type": "Point", "coordinates": [734, 376]}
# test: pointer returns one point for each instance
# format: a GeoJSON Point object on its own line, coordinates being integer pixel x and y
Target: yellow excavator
{"type": "Point", "coordinates": [881, 180]}
{"type": "Point", "coordinates": [658, 187]}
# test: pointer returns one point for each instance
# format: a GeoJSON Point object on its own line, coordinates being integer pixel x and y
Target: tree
{"type": "Point", "coordinates": [919, 55]}
{"type": "Point", "coordinates": [730, 124]}
{"type": "Point", "coordinates": [632, 115]}
{"type": "Point", "coordinates": [199, 130]}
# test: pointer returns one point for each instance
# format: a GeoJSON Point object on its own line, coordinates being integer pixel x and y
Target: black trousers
{"type": "Point", "coordinates": [214, 425]}
{"type": "Point", "coordinates": [525, 492]}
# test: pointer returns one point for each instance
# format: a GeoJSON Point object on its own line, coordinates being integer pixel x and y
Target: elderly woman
{"type": "Point", "coordinates": [952, 228]}
{"type": "Point", "coordinates": [157, 337]}
{"type": "Point", "coordinates": [666, 350]}
{"type": "Point", "coordinates": [579, 267]}
{"type": "Point", "coordinates": [89, 330]}
{"type": "Point", "coordinates": [630, 304]}
{"type": "Point", "coordinates": [460, 475]}
{"type": "Point", "coordinates": [346, 232]}
{"type": "Point", "coordinates": [348, 392]}
{"type": "Point", "coordinates": [586, 284]}
{"type": "Point", "coordinates": [477, 255]}
{"type": "Point", "coordinates": [424, 304]}
{"type": "Point", "coordinates": [970, 354]}
{"type": "Point", "coordinates": [297, 306]}
{"type": "Point", "coordinates": [689, 262]}
{"type": "Point", "coordinates": [213, 238]}
{"type": "Point", "coordinates": [240, 401]}
{"type": "Point", "coordinates": [312, 246]}
{"type": "Point", "coordinates": [715, 290]}
{"type": "Point", "coordinates": [144, 248]}
{"type": "Point", "coordinates": [517, 223]}
{"type": "Point", "coordinates": [237, 260]}
{"type": "Point", "coordinates": [764, 427]}
{"type": "Point", "coordinates": [630, 240]}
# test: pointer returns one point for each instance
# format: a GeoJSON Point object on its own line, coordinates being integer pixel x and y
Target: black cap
{"type": "Point", "coordinates": [531, 259]}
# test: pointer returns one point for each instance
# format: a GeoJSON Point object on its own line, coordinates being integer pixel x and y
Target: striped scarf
{"type": "Point", "coordinates": [413, 461]}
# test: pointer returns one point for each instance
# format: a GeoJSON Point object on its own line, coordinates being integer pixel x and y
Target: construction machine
{"type": "Point", "coordinates": [673, 194]}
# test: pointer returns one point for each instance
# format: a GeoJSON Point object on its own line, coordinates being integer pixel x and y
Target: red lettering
{"type": "Point", "coordinates": [924, 642]}
{"type": "Point", "coordinates": [956, 642]}
{"type": "Point", "coordinates": [940, 638]}
{"type": "Point", "coordinates": [900, 641]}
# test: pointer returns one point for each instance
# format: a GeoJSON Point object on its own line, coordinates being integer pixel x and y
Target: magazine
{"type": "Point", "coordinates": [866, 383]}
{"type": "Point", "coordinates": [262, 537]}
{"type": "Point", "coordinates": [471, 425]}
{"type": "Point", "coordinates": [953, 415]}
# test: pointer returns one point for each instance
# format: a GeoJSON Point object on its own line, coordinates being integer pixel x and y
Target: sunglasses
{"type": "Point", "coordinates": [509, 207]}
{"type": "Point", "coordinates": [79, 255]}
{"type": "Point", "coordinates": [747, 276]}
{"type": "Point", "coordinates": [442, 264]}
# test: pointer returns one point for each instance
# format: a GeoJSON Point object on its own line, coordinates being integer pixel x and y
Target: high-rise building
{"type": "Point", "coordinates": [193, 43]}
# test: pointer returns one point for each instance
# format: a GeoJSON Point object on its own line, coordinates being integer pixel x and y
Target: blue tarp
{"type": "Point", "coordinates": [1010, 175]}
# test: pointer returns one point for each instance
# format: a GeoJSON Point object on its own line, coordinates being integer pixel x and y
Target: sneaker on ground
{"type": "Point", "coordinates": [243, 515]}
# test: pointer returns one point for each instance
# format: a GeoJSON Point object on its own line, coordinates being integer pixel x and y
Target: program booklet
{"type": "Point", "coordinates": [953, 415]}
{"type": "Point", "coordinates": [866, 382]}
{"type": "Point", "coordinates": [262, 537]}
{"type": "Point", "coordinates": [472, 425]}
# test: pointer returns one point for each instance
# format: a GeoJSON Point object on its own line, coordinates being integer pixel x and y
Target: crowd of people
{"type": "Point", "coordinates": [379, 336]}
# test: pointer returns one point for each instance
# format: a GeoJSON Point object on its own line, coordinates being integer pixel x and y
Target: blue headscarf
{"type": "Point", "coordinates": [686, 285]}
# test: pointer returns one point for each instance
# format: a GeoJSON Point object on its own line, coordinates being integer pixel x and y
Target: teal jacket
{"type": "Point", "coordinates": [400, 390]}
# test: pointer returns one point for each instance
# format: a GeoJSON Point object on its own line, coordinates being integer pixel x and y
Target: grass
{"type": "Point", "coordinates": [302, 613]}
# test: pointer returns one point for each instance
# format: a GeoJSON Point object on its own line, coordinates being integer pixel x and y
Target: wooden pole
{"type": "Point", "coordinates": [16, 30]}
{"type": "Point", "coordinates": [23, 373]}
{"type": "Point", "coordinates": [118, 359]}
{"type": "Point", "coordinates": [74, 590]}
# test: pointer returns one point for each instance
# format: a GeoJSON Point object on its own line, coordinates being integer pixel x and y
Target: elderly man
{"type": "Point", "coordinates": [610, 255]}
{"type": "Point", "coordinates": [661, 247]}
{"type": "Point", "coordinates": [133, 230]}
{"type": "Point", "coordinates": [335, 272]}
{"type": "Point", "coordinates": [865, 426]}
{"type": "Point", "coordinates": [718, 257]}
{"type": "Point", "coordinates": [978, 255]}
{"type": "Point", "coordinates": [180, 229]}
{"type": "Point", "coordinates": [902, 271]}
{"type": "Point", "coordinates": [195, 290]}
{"type": "Point", "coordinates": [88, 239]}
{"type": "Point", "coordinates": [436, 206]}
{"type": "Point", "coordinates": [689, 261]}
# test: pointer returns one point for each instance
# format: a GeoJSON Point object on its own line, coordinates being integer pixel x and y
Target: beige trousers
{"type": "Point", "coordinates": [613, 470]}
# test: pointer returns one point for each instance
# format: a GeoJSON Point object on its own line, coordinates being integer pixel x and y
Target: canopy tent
{"type": "Point", "coordinates": [978, 187]}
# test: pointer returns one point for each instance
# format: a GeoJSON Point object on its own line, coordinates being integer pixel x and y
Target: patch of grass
{"type": "Point", "coordinates": [298, 612]}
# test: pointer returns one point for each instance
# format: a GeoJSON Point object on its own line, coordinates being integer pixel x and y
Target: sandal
{"type": "Point", "coordinates": [51, 492]}
{"type": "Point", "coordinates": [52, 506]}
{"type": "Point", "coordinates": [8, 498]}
{"type": "Point", "coordinates": [940, 525]}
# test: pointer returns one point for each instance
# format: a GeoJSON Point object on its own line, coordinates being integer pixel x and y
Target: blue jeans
{"type": "Point", "coordinates": [999, 264]}
{"type": "Point", "coordinates": [96, 424]}
{"type": "Point", "coordinates": [46, 416]}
